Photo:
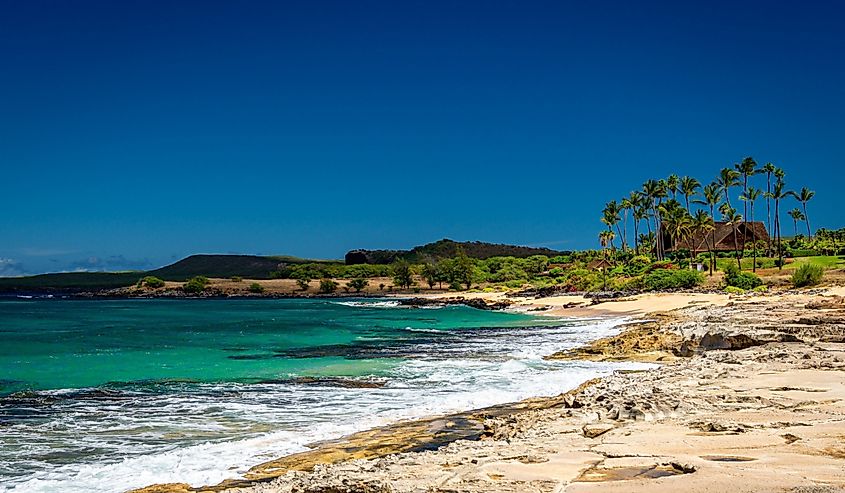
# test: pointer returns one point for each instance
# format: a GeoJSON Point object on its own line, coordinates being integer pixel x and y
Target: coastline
{"type": "Point", "coordinates": [777, 404]}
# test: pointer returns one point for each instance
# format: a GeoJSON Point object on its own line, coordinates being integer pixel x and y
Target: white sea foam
{"type": "Point", "coordinates": [369, 304]}
{"type": "Point", "coordinates": [263, 421]}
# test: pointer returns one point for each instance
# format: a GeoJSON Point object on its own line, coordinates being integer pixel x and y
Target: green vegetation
{"type": "Point", "coordinates": [808, 274]}
{"type": "Point", "coordinates": [673, 225]}
{"type": "Point", "coordinates": [303, 283]}
{"type": "Point", "coordinates": [403, 274]}
{"type": "Point", "coordinates": [738, 279]}
{"type": "Point", "coordinates": [358, 284]}
{"type": "Point", "coordinates": [151, 282]}
{"type": "Point", "coordinates": [663, 279]}
{"type": "Point", "coordinates": [195, 285]}
{"type": "Point", "coordinates": [237, 279]}
{"type": "Point", "coordinates": [256, 288]}
{"type": "Point", "coordinates": [328, 286]}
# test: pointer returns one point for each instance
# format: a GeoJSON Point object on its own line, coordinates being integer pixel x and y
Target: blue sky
{"type": "Point", "coordinates": [135, 133]}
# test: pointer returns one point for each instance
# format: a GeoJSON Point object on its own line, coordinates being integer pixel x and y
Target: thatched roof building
{"type": "Point", "coordinates": [725, 238]}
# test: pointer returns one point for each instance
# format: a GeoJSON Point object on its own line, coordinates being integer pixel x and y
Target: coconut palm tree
{"type": "Point", "coordinates": [733, 220]}
{"type": "Point", "coordinates": [749, 197]}
{"type": "Point", "coordinates": [711, 194]}
{"type": "Point", "coordinates": [777, 194]}
{"type": "Point", "coordinates": [727, 178]}
{"type": "Point", "coordinates": [672, 184]}
{"type": "Point", "coordinates": [796, 216]}
{"type": "Point", "coordinates": [702, 223]}
{"type": "Point", "coordinates": [655, 191]}
{"type": "Point", "coordinates": [689, 188]}
{"type": "Point", "coordinates": [625, 206]}
{"type": "Point", "coordinates": [768, 169]}
{"type": "Point", "coordinates": [634, 203]}
{"type": "Point", "coordinates": [610, 217]}
{"type": "Point", "coordinates": [747, 167]}
{"type": "Point", "coordinates": [804, 196]}
{"type": "Point", "coordinates": [676, 221]}
{"type": "Point", "coordinates": [605, 239]}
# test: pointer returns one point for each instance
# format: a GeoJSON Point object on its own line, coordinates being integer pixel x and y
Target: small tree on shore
{"type": "Point", "coordinates": [403, 275]}
{"type": "Point", "coordinates": [327, 286]}
{"type": "Point", "coordinates": [303, 283]}
{"type": "Point", "coordinates": [358, 284]}
{"type": "Point", "coordinates": [430, 274]}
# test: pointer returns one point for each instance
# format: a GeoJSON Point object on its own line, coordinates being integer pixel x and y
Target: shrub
{"type": "Point", "coordinates": [195, 285]}
{"type": "Point", "coordinates": [152, 282]}
{"type": "Point", "coordinates": [807, 275]}
{"type": "Point", "coordinates": [327, 286]}
{"type": "Point", "coordinates": [303, 283]}
{"type": "Point", "coordinates": [358, 284]}
{"type": "Point", "coordinates": [761, 289]}
{"type": "Point", "coordinates": [744, 280]}
{"type": "Point", "coordinates": [734, 290]}
{"type": "Point", "coordinates": [671, 279]}
{"type": "Point", "coordinates": [237, 279]}
{"type": "Point", "coordinates": [256, 288]}
{"type": "Point", "coordinates": [802, 252]}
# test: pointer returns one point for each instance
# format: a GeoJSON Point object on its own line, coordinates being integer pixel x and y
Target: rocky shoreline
{"type": "Point", "coordinates": [751, 398]}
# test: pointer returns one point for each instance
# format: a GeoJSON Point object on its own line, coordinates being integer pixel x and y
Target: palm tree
{"type": "Point", "coordinates": [768, 168]}
{"type": "Point", "coordinates": [625, 206]}
{"type": "Point", "coordinates": [727, 178]}
{"type": "Point", "coordinates": [689, 188]}
{"type": "Point", "coordinates": [605, 239]}
{"type": "Point", "coordinates": [647, 238]}
{"type": "Point", "coordinates": [733, 220]}
{"type": "Point", "coordinates": [796, 216]}
{"type": "Point", "coordinates": [641, 213]}
{"type": "Point", "coordinates": [672, 184]}
{"type": "Point", "coordinates": [749, 197]}
{"type": "Point", "coordinates": [777, 194]}
{"type": "Point", "coordinates": [711, 194]}
{"type": "Point", "coordinates": [655, 191]}
{"type": "Point", "coordinates": [676, 222]}
{"type": "Point", "coordinates": [634, 203]}
{"type": "Point", "coordinates": [610, 217]}
{"type": "Point", "coordinates": [747, 167]}
{"type": "Point", "coordinates": [702, 223]}
{"type": "Point", "coordinates": [804, 196]}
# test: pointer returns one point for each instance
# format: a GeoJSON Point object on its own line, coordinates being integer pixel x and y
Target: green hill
{"type": "Point", "coordinates": [246, 266]}
{"type": "Point", "coordinates": [446, 248]}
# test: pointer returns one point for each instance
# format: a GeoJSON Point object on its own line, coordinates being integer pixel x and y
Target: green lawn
{"type": "Point", "coordinates": [828, 262]}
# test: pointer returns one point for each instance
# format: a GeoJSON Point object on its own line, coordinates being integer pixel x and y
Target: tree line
{"type": "Point", "coordinates": [683, 209]}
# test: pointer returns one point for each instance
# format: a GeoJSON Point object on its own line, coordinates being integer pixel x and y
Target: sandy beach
{"type": "Point", "coordinates": [749, 397]}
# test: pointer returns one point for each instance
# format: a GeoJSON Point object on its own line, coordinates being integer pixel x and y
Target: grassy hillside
{"type": "Point", "coordinates": [248, 266]}
{"type": "Point", "coordinates": [224, 266]}
{"type": "Point", "coordinates": [70, 281]}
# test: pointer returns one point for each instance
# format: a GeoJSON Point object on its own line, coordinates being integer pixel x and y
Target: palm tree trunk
{"type": "Point", "coordinates": [807, 220]}
{"type": "Point", "coordinates": [711, 248]}
{"type": "Point", "coordinates": [768, 214]}
{"type": "Point", "coordinates": [777, 233]}
{"type": "Point", "coordinates": [744, 211]}
{"type": "Point", "coordinates": [618, 231]}
{"type": "Point", "coordinates": [625, 230]}
{"type": "Point", "coordinates": [636, 236]}
{"type": "Point", "coordinates": [736, 248]}
{"type": "Point", "coordinates": [753, 240]}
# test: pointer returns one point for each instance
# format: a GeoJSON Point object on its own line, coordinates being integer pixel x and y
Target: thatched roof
{"type": "Point", "coordinates": [722, 239]}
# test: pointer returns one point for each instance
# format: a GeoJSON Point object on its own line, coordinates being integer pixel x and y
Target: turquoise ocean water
{"type": "Point", "coordinates": [107, 395]}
